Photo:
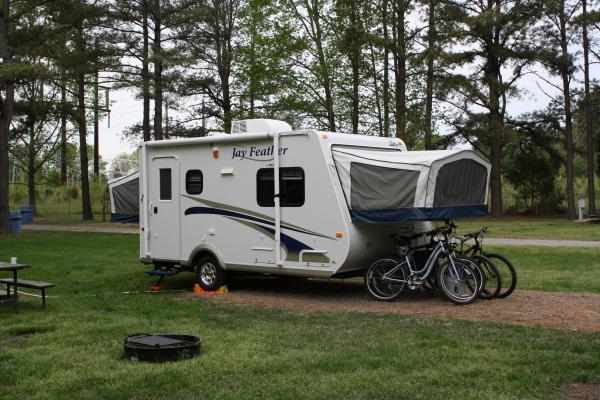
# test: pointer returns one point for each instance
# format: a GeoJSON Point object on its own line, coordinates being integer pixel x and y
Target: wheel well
{"type": "Point", "coordinates": [203, 253]}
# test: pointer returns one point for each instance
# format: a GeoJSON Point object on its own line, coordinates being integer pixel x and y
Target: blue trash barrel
{"type": "Point", "coordinates": [15, 221]}
{"type": "Point", "coordinates": [27, 214]}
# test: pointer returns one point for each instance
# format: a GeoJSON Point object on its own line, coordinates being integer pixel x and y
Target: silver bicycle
{"type": "Point", "coordinates": [458, 278]}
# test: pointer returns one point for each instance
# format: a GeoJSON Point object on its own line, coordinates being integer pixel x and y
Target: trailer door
{"type": "Point", "coordinates": [164, 208]}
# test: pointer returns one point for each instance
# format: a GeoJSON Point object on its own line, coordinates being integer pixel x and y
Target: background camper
{"type": "Point", "coordinates": [124, 198]}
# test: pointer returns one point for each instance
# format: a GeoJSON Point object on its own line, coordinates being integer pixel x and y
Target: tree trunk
{"type": "Point", "coordinates": [401, 74]}
{"type": "Point", "coordinates": [569, 147]}
{"type": "Point", "coordinates": [96, 127]}
{"type": "Point", "coordinates": [496, 130]}
{"type": "Point", "coordinates": [252, 78]}
{"type": "Point", "coordinates": [81, 121]}
{"type": "Point", "coordinates": [63, 135]}
{"type": "Point", "coordinates": [355, 64]}
{"type": "Point", "coordinates": [376, 91]}
{"type": "Point", "coordinates": [496, 119]}
{"type": "Point", "coordinates": [83, 156]}
{"type": "Point", "coordinates": [145, 74]}
{"type": "Point", "coordinates": [158, 67]}
{"type": "Point", "coordinates": [7, 107]}
{"type": "Point", "coordinates": [224, 75]}
{"type": "Point", "coordinates": [31, 166]}
{"type": "Point", "coordinates": [588, 115]}
{"type": "Point", "coordinates": [323, 65]}
{"type": "Point", "coordinates": [429, 85]}
{"type": "Point", "coordinates": [386, 68]}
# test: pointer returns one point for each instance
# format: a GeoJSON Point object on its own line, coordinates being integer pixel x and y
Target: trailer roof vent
{"type": "Point", "coordinates": [259, 126]}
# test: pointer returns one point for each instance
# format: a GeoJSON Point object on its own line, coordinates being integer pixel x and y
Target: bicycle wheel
{"type": "Point", "coordinates": [460, 285]}
{"type": "Point", "coordinates": [492, 280]}
{"type": "Point", "coordinates": [508, 273]}
{"type": "Point", "coordinates": [474, 266]}
{"type": "Point", "coordinates": [382, 285]}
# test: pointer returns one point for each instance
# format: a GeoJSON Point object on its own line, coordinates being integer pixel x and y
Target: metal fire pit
{"type": "Point", "coordinates": [161, 348]}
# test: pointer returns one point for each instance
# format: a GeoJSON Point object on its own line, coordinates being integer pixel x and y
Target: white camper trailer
{"type": "Point", "coordinates": [266, 199]}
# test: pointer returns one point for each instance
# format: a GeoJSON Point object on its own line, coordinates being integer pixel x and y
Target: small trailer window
{"type": "Point", "coordinates": [193, 181]}
{"type": "Point", "coordinates": [165, 183]}
{"type": "Point", "coordinates": [291, 183]}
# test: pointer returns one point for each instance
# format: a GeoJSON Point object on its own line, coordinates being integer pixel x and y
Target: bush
{"type": "Point", "coordinates": [53, 179]}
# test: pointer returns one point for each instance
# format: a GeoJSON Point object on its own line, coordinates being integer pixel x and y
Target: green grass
{"type": "Point", "coordinates": [554, 268]}
{"type": "Point", "coordinates": [532, 228]}
{"type": "Point", "coordinates": [256, 353]}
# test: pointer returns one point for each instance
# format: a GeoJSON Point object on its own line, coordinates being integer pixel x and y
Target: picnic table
{"type": "Point", "coordinates": [14, 296]}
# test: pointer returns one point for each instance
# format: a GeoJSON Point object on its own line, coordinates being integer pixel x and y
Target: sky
{"type": "Point", "coordinates": [126, 110]}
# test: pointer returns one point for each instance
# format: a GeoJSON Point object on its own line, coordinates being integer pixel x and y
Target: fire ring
{"type": "Point", "coordinates": [162, 347]}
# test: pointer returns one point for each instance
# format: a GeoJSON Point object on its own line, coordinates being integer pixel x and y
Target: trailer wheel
{"type": "Point", "coordinates": [209, 275]}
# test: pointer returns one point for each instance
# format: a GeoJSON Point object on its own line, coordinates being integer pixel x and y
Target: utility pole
{"type": "Point", "coordinates": [97, 111]}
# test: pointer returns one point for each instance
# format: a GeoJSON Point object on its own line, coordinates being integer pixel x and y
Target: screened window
{"type": "Point", "coordinates": [193, 181]}
{"type": "Point", "coordinates": [291, 184]}
{"type": "Point", "coordinates": [461, 182]}
{"type": "Point", "coordinates": [165, 183]}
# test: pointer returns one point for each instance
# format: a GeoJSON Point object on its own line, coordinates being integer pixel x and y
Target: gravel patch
{"type": "Point", "coordinates": [555, 310]}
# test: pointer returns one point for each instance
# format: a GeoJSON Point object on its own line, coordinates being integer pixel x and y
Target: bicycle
{"type": "Point", "coordinates": [387, 278]}
{"type": "Point", "coordinates": [507, 272]}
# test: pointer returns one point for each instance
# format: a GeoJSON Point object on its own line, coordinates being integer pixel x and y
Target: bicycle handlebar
{"type": "Point", "coordinates": [475, 235]}
{"type": "Point", "coordinates": [446, 229]}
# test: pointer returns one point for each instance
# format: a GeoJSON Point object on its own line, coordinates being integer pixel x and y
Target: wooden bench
{"type": "Point", "coordinates": [30, 285]}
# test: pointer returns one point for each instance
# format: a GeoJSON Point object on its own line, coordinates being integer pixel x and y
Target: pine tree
{"type": "Point", "coordinates": [494, 35]}
{"type": "Point", "coordinates": [556, 35]}
{"type": "Point", "coordinates": [13, 69]}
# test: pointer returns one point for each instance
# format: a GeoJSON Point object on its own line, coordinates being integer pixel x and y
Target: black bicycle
{"type": "Point", "coordinates": [507, 272]}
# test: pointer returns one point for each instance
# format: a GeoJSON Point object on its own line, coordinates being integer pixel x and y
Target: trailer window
{"type": "Point", "coordinates": [193, 181]}
{"type": "Point", "coordinates": [291, 184]}
{"type": "Point", "coordinates": [165, 183]}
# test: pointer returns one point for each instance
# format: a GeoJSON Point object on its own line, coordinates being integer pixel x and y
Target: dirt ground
{"type": "Point", "coordinates": [555, 310]}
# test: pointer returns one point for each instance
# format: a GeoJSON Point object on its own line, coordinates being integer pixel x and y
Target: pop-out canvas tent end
{"type": "Point", "coordinates": [124, 198]}
{"type": "Point", "coordinates": [383, 186]}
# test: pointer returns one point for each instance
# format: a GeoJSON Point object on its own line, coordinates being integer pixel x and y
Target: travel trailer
{"type": "Point", "coordinates": [271, 200]}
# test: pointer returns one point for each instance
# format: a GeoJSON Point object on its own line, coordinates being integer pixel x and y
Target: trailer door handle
{"type": "Point", "coordinates": [155, 210]}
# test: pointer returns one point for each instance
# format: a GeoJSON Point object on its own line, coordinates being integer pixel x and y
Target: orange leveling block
{"type": "Point", "coordinates": [220, 290]}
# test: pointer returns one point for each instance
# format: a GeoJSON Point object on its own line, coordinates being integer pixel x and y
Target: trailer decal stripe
{"type": "Point", "coordinates": [293, 246]}
{"type": "Point", "coordinates": [234, 214]}
{"type": "Point", "coordinates": [287, 240]}
{"type": "Point", "coordinates": [246, 212]}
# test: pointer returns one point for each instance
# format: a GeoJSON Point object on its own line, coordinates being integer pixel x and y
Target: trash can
{"type": "Point", "coordinates": [15, 221]}
{"type": "Point", "coordinates": [27, 214]}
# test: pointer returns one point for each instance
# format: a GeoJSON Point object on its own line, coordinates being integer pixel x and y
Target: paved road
{"type": "Point", "coordinates": [134, 230]}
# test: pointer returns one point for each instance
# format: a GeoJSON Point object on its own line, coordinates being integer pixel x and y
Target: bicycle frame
{"type": "Point", "coordinates": [424, 272]}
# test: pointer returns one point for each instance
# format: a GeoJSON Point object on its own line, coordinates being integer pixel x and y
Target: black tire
{"type": "Point", "coordinates": [475, 267]}
{"type": "Point", "coordinates": [384, 289]}
{"type": "Point", "coordinates": [463, 289]}
{"type": "Point", "coordinates": [209, 274]}
{"type": "Point", "coordinates": [492, 279]}
{"type": "Point", "coordinates": [508, 273]}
